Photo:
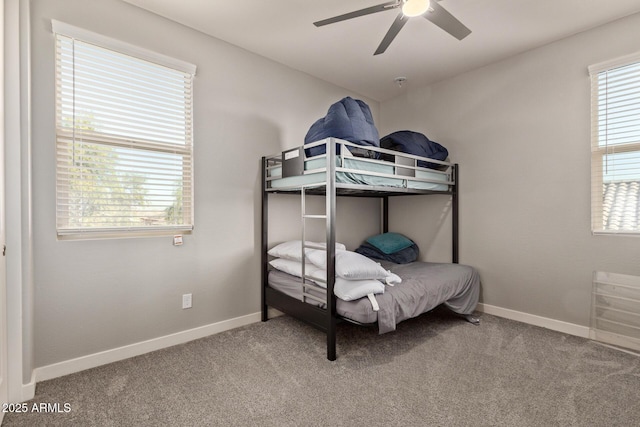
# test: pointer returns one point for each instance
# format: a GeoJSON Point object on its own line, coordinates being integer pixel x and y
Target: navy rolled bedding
{"type": "Point", "coordinates": [348, 119]}
{"type": "Point", "coordinates": [415, 143]}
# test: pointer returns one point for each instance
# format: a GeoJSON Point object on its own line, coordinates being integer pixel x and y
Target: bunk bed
{"type": "Point", "coordinates": [378, 173]}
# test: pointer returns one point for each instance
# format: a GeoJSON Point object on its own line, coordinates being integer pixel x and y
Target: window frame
{"type": "Point", "coordinates": [131, 142]}
{"type": "Point", "coordinates": [598, 151]}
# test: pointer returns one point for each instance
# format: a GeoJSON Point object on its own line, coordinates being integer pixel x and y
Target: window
{"type": "Point", "coordinates": [615, 146]}
{"type": "Point", "coordinates": [123, 137]}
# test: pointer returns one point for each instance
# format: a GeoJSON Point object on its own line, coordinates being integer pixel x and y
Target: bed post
{"type": "Point", "coordinates": [330, 200]}
{"type": "Point", "coordinates": [264, 242]}
{"type": "Point", "coordinates": [385, 214]}
{"type": "Point", "coordinates": [454, 213]}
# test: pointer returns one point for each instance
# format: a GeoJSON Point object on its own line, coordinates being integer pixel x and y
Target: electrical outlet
{"type": "Point", "coordinates": [186, 301]}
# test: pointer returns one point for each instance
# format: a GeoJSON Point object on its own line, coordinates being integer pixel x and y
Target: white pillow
{"type": "Point", "coordinates": [349, 290]}
{"type": "Point", "coordinates": [349, 265]}
{"type": "Point", "coordinates": [293, 249]}
{"type": "Point", "coordinates": [295, 269]}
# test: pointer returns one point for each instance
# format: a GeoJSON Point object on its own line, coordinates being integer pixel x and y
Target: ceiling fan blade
{"type": "Point", "coordinates": [443, 19]}
{"type": "Point", "coordinates": [392, 33]}
{"type": "Point", "coordinates": [367, 11]}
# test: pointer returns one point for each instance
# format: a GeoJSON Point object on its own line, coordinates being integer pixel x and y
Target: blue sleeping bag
{"type": "Point", "coordinates": [417, 144]}
{"type": "Point", "coordinates": [349, 119]}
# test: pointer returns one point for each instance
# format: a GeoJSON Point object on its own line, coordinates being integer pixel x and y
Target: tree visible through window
{"type": "Point", "coordinates": [615, 146]}
{"type": "Point", "coordinates": [123, 137]}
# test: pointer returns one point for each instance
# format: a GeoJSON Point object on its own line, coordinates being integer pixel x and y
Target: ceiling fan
{"type": "Point", "coordinates": [429, 9]}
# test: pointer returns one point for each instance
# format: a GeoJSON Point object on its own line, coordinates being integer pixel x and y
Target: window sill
{"type": "Point", "coordinates": [616, 233]}
{"type": "Point", "coordinates": [103, 234]}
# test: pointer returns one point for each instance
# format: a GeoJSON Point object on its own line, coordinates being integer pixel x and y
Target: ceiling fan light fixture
{"type": "Point", "coordinates": [413, 8]}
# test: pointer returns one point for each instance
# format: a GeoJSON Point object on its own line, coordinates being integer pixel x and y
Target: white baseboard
{"type": "Point", "coordinates": [29, 390]}
{"type": "Point", "coordinates": [532, 319]}
{"type": "Point", "coordinates": [114, 355]}
{"type": "Point", "coordinates": [620, 342]}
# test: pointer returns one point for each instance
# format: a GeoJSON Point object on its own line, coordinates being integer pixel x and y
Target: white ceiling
{"type": "Point", "coordinates": [342, 53]}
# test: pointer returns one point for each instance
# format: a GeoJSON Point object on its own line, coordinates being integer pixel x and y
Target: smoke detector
{"type": "Point", "coordinates": [400, 81]}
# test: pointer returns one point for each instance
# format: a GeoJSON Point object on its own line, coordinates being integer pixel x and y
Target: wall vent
{"type": "Point", "coordinates": [615, 312]}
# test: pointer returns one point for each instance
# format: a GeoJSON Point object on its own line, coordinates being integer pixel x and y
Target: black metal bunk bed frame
{"type": "Point", "coordinates": [292, 163]}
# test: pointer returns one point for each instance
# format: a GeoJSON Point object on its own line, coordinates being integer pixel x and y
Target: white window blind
{"type": "Point", "coordinates": [615, 146]}
{"type": "Point", "coordinates": [123, 139]}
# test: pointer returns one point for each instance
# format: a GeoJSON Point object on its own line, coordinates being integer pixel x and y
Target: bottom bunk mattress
{"type": "Point", "coordinates": [424, 286]}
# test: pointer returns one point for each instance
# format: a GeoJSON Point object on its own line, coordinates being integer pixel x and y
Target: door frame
{"type": "Point", "coordinates": [17, 198]}
{"type": "Point", "coordinates": [4, 354]}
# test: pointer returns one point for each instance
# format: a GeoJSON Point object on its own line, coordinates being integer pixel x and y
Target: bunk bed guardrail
{"type": "Point", "coordinates": [394, 172]}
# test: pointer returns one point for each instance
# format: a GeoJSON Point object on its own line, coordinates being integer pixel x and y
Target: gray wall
{"type": "Point", "coordinates": [97, 295]}
{"type": "Point", "coordinates": [520, 129]}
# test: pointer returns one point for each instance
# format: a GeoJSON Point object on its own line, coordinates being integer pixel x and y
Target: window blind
{"type": "Point", "coordinates": [123, 141]}
{"type": "Point", "coordinates": [615, 146]}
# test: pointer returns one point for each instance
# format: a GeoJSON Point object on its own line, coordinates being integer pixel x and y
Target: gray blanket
{"type": "Point", "coordinates": [424, 286]}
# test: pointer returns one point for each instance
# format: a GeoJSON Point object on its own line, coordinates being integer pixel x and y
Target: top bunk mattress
{"type": "Point", "coordinates": [362, 175]}
{"type": "Point", "coordinates": [361, 171]}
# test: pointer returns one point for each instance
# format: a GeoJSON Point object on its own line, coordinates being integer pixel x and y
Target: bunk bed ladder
{"type": "Point", "coordinates": [305, 284]}
{"type": "Point", "coordinates": [329, 218]}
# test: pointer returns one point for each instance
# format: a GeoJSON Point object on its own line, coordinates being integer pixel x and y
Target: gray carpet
{"type": "Point", "coordinates": [436, 370]}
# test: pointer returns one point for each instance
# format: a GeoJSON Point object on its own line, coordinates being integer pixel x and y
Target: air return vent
{"type": "Point", "coordinates": [615, 313]}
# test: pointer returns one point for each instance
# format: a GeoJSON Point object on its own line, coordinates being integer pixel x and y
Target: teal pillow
{"type": "Point", "coordinates": [389, 243]}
